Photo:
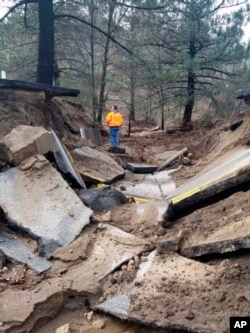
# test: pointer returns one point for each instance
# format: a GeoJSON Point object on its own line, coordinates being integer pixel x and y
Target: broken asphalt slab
{"type": "Point", "coordinates": [179, 294]}
{"type": "Point", "coordinates": [92, 134]}
{"type": "Point", "coordinates": [39, 201]}
{"type": "Point", "coordinates": [117, 150]}
{"type": "Point", "coordinates": [64, 160]}
{"type": "Point", "coordinates": [157, 185]}
{"type": "Point", "coordinates": [110, 247]}
{"type": "Point", "coordinates": [29, 307]}
{"type": "Point", "coordinates": [14, 249]}
{"type": "Point", "coordinates": [232, 237]}
{"type": "Point", "coordinates": [96, 165]}
{"type": "Point", "coordinates": [141, 168]}
{"type": "Point", "coordinates": [220, 176]}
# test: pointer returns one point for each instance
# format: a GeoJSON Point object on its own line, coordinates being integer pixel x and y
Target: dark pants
{"type": "Point", "coordinates": [114, 135]}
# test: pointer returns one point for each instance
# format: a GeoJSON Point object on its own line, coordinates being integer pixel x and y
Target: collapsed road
{"type": "Point", "coordinates": [64, 265]}
{"type": "Point", "coordinates": [225, 173]}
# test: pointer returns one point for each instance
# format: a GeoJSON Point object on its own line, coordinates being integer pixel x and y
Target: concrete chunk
{"type": "Point", "coordinates": [13, 248]}
{"type": "Point", "coordinates": [232, 237]}
{"type": "Point", "coordinates": [111, 248]}
{"type": "Point", "coordinates": [173, 293]}
{"type": "Point", "coordinates": [92, 134]}
{"type": "Point", "coordinates": [39, 201]}
{"type": "Point", "coordinates": [141, 168]}
{"type": "Point", "coordinates": [219, 177]}
{"type": "Point", "coordinates": [97, 165]}
{"type": "Point", "coordinates": [157, 185]}
{"type": "Point", "coordinates": [23, 142]}
{"type": "Point", "coordinates": [64, 160]}
{"type": "Point", "coordinates": [63, 329]}
{"type": "Point", "coordinates": [29, 307]}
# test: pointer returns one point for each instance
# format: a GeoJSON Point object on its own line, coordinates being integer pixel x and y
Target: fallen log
{"type": "Point", "coordinates": [171, 130]}
{"type": "Point", "coordinates": [50, 91]}
{"type": "Point", "coordinates": [172, 158]}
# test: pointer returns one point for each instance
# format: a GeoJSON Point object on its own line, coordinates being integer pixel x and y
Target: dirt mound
{"type": "Point", "coordinates": [28, 108]}
{"type": "Point", "coordinates": [224, 136]}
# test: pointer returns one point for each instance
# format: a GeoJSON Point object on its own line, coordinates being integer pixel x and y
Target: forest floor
{"type": "Point", "coordinates": [228, 272]}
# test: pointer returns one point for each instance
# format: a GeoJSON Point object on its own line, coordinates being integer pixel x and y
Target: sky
{"type": "Point", "coordinates": [5, 3]}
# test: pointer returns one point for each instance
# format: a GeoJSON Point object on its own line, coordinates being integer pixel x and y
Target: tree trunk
{"type": "Point", "coordinates": [56, 73]}
{"type": "Point", "coordinates": [187, 116]}
{"type": "Point", "coordinates": [103, 83]}
{"type": "Point", "coordinates": [104, 65]}
{"type": "Point", "coordinates": [133, 70]}
{"type": "Point", "coordinates": [92, 60]}
{"type": "Point", "coordinates": [45, 66]}
{"type": "Point", "coordinates": [132, 95]}
{"type": "Point", "coordinates": [162, 108]}
{"type": "Point", "coordinates": [190, 98]}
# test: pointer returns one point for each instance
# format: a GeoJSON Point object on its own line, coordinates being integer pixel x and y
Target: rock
{"type": "Point", "coordinates": [131, 265]}
{"type": "Point", "coordinates": [137, 260]}
{"type": "Point", "coordinates": [99, 218]}
{"type": "Point", "coordinates": [113, 280]}
{"type": "Point", "coordinates": [63, 329]}
{"type": "Point", "coordinates": [189, 315]}
{"type": "Point", "coordinates": [102, 199]}
{"type": "Point", "coordinates": [99, 324]}
{"type": "Point", "coordinates": [75, 250]}
{"type": "Point", "coordinates": [36, 162]}
{"type": "Point", "coordinates": [23, 142]}
{"type": "Point", "coordinates": [186, 161]}
{"type": "Point", "coordinates": [89, 315]}
{"type": "Point", "coordinates": [15, 251]}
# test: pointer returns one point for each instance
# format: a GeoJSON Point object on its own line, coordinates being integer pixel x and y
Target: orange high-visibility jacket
{"type": "Point", "coordinates": [114, 119]}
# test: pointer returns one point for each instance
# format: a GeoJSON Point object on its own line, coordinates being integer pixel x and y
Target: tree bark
{"type": "Point", "coordinates": [190, 98]}
{"type": "Point", "coordinates": [133, 71]}
{"type": "Point", "coordinates": [187, 116]}
{"type": "Point", "coordinates": [104, 65]}
{"type": "Point", "coordinates": [162, 108]}
{"type": "Point", "coordinates": [132, 95]}
{"type": "Point", "coordinates": [92, 59]}
{"type": "Point", "coordinates": [45, 66]}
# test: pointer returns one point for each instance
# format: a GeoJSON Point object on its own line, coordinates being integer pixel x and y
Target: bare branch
{"type": "Point", "coordinates": [138, 7]}
{"type": "Point", "coordinates": [13, 8]}
{"type": "Point", "coordinates": [95, 27]}
{"type": "Point", "coordinates": [216, 70]}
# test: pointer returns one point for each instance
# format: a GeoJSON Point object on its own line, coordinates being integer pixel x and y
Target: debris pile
{"type": "Point", "coordinates": [163, 244]}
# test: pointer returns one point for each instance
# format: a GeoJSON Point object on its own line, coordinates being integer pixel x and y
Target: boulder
{"type": "Point", "coordinates": [23, 142]}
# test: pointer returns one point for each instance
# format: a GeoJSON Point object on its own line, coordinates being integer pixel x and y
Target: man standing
{"type": "Point", "coordinates": [114, 120]}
